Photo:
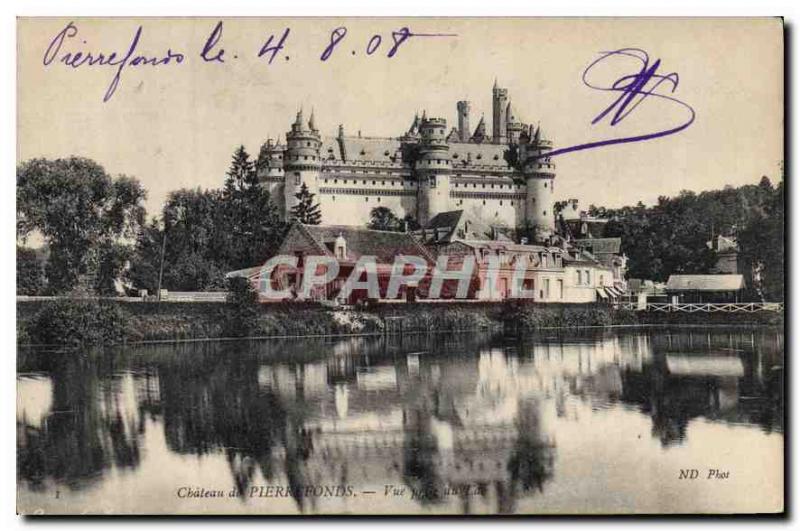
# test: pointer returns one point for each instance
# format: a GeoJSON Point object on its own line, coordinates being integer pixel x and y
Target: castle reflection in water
{"type": "Point", "coordinates": [442, 413]}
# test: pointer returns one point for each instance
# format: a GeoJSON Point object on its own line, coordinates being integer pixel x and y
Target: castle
{"type": "Point", "coordinates": [505, 179]}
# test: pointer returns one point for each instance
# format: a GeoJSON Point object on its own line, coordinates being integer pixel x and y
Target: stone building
{"type": "Point", "coordinates": [505, 178]}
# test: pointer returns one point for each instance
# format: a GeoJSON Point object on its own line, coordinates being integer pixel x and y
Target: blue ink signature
{"type": "Point", "coordinates": [633, 89]}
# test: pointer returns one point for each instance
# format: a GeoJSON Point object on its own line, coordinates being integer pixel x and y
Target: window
{"type": "Point", "coordinates": [297, 179]}
{"type": "Point", "coordinates": [547, 288]}
{"type": "Point", "coordinates": [578, 278]}
{"type": "Point", "coordinates": [366, 199]}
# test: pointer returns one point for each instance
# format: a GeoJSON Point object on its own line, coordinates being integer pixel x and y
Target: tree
{"type": "Point", "coordinates": [76, 207]}
{"type": "Point", "coordinates": [671, 236]}
{"type": "Point", "coordinates": [242, 308]}
{"type": "Point", "coordinates": [30, 272]}
{"type": "Point", "coordinates": [382, 218]}
{"type": "Point", "coordinates": [306, 211]}
{"type": "Point", "coordinates": [254, 226]}
{"type": "Point", "coordinates": [761, 243]}
{"type": "Point", "coordinates": [209, 232]}
{"type": "Point", "coordinates": [194, 235]}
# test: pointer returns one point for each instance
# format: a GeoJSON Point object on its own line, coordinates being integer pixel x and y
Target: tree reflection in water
{"type": "Point", "coordinates": [86, 431]}
{"type": "Point", "coordinates": [274, 409]}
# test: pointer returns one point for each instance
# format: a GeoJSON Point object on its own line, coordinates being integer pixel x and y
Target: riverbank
{"type": "Point", "coordinates": [78, 322]}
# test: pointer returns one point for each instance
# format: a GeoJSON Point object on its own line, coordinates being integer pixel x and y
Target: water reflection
{"type": "Point", "coordinates": [469, 422]}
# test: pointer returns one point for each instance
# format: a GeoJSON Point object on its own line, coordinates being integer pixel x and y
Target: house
{"type": "Point", "coordinates": [500, 268]}
{"type": "Point", "coordinates": [705, 288]}
{"type": "Point", "coordinates": [346, 245]}
{"type": "Point", "coordinates": [727, 252]}
{"type": "Point", "coordinates": [608, 251]}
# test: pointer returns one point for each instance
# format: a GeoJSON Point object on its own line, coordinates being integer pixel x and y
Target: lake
{"type": "Point", "coordinates": [614, 421]}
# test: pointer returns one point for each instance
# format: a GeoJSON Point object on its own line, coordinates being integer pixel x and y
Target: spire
{"type": "Point", "coordinates": [537, 135]}
{"type": "Point", "coordinates": [311, 121]}
{"type": "Point", "coordinates": [510, 118]}
{"type": "Point", "coordinates": [299, 120]}
{"type": "Point", "coordinates": [495, 83]}
{"type": "Point", "coordinates": [414, 125]}
{"type": "Point", "coordinates": [480, 132]}
{"type": "Point", "coordinates": [424, 115]}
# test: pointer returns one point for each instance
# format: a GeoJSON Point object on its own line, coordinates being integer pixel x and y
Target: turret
{"type": "Point", "coordinates": [499, 103]}
{"type": "Point", "coordinates": [432, 168]}
{"type": "Point", "coordinates": [463, 120]}
{"type": "Point", "coordinates": [270, 170]}
{"type": "Point", "coordinates": [302, 160]}
{"type": "Point", "coordinates": [513, 126]}
{"type": "Point", "coordinates": [540, 175]}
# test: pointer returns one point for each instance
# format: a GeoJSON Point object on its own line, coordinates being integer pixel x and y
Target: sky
{"type": "Point", "coordinates": [176, 125]}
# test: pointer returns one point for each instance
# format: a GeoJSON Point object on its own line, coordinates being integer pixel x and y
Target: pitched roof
{"type": "Point", "coordinates": [445, 219]}
{"type": "Point", "coordinates": [384, 245]}
{"type": "Point", "coordinates": [600, 245]}
{"type": "Point", "coordinates": [461, 224]}
{"type": "Point", "coordinates": [705, 282]}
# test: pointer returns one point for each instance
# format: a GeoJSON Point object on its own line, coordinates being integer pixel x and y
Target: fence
{"type": "Point", "coordinates": [733, 307]}
{"type": "Point", "coordinates": [171, 296]}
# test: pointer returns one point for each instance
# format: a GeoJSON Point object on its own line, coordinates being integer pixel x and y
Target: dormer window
{"type": "Point", "coordinates": [340, 247]}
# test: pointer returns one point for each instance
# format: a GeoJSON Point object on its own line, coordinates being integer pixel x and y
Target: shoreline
{"type": "Point", "coordinates": [181, 341]}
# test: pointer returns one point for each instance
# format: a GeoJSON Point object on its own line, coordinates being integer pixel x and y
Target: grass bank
{"type": "Point", "coordinates": [78, 322]}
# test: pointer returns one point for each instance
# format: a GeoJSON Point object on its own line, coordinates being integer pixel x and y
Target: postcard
{"type": "Point", "coordinates": [400, 266]}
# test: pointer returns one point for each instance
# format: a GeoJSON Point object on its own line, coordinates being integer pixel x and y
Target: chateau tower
{"type": "Point", "coordinates": [433, 169]}
{"type": "Point", "coordinates": [270, 171]}
{"type": "Point", "coordinates": [499, 103]}
{"type": "Point", "coordinates": [302, 160]}
{"type": "Point", "coordinates": [463, 120]}
{"type": "Point", "coordinates": [540, 176]}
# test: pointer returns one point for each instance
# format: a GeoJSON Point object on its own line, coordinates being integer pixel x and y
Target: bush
{"type": "Point", "coordinates": [242, 309]}
{"type": "Point", "coordinates": [78, 322]}
{"type": "Point", "coordinates": [534, 316]}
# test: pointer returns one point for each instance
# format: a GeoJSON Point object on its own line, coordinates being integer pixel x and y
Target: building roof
{"type": "Point", "coordinates": [384, 245]}
{"type": "Point", "coordinates": [600, 245]}
{"type": "Point", "coordinates": [384, 149]}
{"type": "Point", "coordinates": [445, 219]}
{"type": "Point", "coordinates": [456, 224]}
{"type": "Point", "coordinates": [498, 245]}
{"type": "Point", "coordinates": [705, 282]}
